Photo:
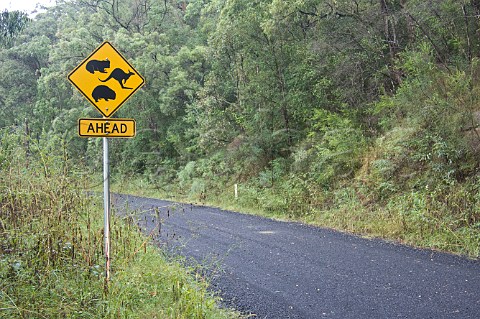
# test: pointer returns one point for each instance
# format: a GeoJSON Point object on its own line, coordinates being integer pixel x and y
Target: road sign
{"type": "Point", "coordinates": [106, 127]}
{"type": "Point", "coordinates": [106, 79]}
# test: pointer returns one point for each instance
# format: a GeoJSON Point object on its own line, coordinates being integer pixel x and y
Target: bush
{"type": "Point", "coordinates": [332, 152]}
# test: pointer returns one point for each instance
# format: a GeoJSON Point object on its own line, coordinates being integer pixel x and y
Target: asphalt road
{"type": "Point", "coordinates": [288, 270]}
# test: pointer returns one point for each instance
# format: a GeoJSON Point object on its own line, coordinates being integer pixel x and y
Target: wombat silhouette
{"type": "Point", "coordinates": [98, 65]}
{"type": "Point", "coordinates": [103, 92]}
{"type": "Point", "coordinates": [121, 77]}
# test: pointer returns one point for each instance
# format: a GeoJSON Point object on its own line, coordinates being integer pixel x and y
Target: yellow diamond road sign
{"type": "Point", "coordinates": [106, 79]}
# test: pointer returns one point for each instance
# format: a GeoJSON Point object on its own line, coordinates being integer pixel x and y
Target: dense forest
{"type": "Point", "coordinates": [362, 115]}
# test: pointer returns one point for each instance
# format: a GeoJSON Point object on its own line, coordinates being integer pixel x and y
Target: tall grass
{"type": "Point", "coordinates": [51, 248]}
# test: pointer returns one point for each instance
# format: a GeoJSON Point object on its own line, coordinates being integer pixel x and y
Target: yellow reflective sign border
{"type": "Point", "coordinates": [106, 79]}
{"type": "Point", "coordinates": [107, 128]}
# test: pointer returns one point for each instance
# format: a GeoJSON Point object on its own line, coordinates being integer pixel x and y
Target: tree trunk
{"type": "Point", "coordinates": [409, 22]}
{"type": "Point", "coordinates": [476, 9]}
{"type": "Point", "coordinates": [391, 38]}
{"type": "Point", "coordinates": [388, 29]}
{"type": "Point", "coordinates": [467, 34]}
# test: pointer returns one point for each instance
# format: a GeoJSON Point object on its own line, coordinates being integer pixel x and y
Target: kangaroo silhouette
{"type": "Point", "coordinates": [121, 77]}
{"type": "Point", "coordinates": [98, 65]}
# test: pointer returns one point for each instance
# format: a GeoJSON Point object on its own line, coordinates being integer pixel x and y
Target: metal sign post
{"type": "Point", "coordinates": [106, 205]}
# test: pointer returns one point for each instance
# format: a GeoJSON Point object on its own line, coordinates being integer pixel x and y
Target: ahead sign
{"type": "Point", "coordinates": [106, 79]}
{"type": "Point", "coordinates": [106, 127]}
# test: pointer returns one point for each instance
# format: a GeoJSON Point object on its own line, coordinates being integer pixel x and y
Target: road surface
{"type": "Point", "coordinates": [288, 270]}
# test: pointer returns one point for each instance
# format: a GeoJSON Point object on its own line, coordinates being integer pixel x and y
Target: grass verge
{"type": "Point", "coordinates": [51, 258]}
{"type": "Point", "coordinates": [415, 219]}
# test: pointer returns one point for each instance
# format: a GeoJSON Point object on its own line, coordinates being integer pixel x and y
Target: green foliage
{"type": "Point", "coordinates": [186, 174]}
{"type": "Point", "coordinates": [315, 107]}
{"type": "Point", "coordinates": [333, 150]}
{"type": "Point", "coordinates": [52, 263]}
{"type": "Point", "coordinates": [11, 24]}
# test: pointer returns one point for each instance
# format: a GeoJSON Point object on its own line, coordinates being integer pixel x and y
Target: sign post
{"type": "Point", "coordinates": [106, 79]}
{"type": "Point", "coordinates": [106, 208]}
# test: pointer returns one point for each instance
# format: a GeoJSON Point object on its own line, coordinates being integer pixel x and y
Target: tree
{"type": "Point", "coordinates": [11, 24]}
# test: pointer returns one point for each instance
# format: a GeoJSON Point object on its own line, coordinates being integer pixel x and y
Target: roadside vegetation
{"type": "Point", "coordinates": [361, 115]}
{"type": "Point", "coordinates": [51, 248]}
